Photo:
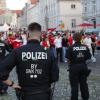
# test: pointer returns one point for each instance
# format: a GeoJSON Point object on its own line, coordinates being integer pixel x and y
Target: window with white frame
{"type": "Point", "coordinates": [73, 6]}
{"type": "Point", "coordinates": [93, 6]}
{"type": "Point", "coordinates": [73, 23]}
{"type": "Point", "coordinates": [85, 9]}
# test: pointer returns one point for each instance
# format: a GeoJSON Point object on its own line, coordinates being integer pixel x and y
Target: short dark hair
{"type": "Point", "coordinates": [77, 37]}
{"type": "Point", "coordinates": [34, 27]}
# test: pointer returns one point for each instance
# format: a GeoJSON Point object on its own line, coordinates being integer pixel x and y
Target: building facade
{"type": "Point", "coordinates": [7, 16]}
{"type": "Point", "coordinates": [2, 4]}
{"type": "Point", "coordinates": [59, 14]}
{"type": "Point", "coordinates": [91, 11]}
{"type": "Point", "coordinates": [44, 12]}
{"type": "Point", "coordinates": [2, 10]}
{"type": "Point", "coordinates": [70, 13]}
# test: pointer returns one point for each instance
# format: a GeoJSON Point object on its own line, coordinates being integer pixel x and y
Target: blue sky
{"type": "Point", "coordinates": [15, 4]}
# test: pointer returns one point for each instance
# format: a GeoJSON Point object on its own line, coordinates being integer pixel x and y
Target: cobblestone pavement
{"type": "Point", "coordinates": [62, 88]}
{"type": "Point", "coordinates": [62, 91]}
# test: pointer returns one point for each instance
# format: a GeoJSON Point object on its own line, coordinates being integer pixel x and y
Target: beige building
{"type": "Point", "coordinates": [91, 11]}
{"type": "Point", "coordinates": [2, 4]}
{"type": "Point", "coordinates": [7, 16]}
{"type": "Point", "coordinates": [60, 14]}
{"type": "Point", "coordinates": [70, 13]}
{"type": "Point", "coordinates": [2, 10]}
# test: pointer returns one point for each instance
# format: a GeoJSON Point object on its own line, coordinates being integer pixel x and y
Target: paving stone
{"type": "Point", "coordinates": [62, 88]}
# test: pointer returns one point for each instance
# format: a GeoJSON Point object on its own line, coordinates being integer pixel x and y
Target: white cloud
{"type": "Point", "coordinates": [15, 4]}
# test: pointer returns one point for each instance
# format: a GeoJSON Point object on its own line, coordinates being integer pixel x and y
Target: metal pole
{"type": "Point", "coordinates": [46, 18]}
{"type": "Point", "coordinates": [26, 12]}
{"type": "Point", "coordinates": [94, 22]}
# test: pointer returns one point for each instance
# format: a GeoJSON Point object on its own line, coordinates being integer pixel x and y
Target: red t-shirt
{"type": "Point", "coordinates": [70, 40]}
{"type": "Point", "coordinates": [10, 40]}
{"type": "Point", "coordinates": [17, 43]}
{"type": "Point", "coordinates": [44, 44]}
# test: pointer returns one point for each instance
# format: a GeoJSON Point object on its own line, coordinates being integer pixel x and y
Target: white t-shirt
{"type": "Point", "coordinates": [58, 42]}
{"type": "Point", "coordinates": [24, 39]}
{"type": "Point", "coordinates": [87, 41]}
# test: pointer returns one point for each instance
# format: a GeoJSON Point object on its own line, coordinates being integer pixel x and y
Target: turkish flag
{"type": "Point", "coordinates": [34, 1]}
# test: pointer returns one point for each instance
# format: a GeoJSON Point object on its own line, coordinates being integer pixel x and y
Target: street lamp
{"type": "Point", "coordinates": [26, 13]}
{"type": "Point", "coordinates": [46, 17]}
{"type": "Point", "coordinates": [94, 22]}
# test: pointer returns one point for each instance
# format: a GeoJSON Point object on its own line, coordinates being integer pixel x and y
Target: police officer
{"type": "Point", "coordinates": [36, 67]}
{"type": "Point", "coordinates": [77, 56]}
{"type": "Point", "coordinates": [3, 48]}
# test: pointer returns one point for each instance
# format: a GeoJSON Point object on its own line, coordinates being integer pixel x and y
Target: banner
{"type": "Point", "coordinates": [61, 24]}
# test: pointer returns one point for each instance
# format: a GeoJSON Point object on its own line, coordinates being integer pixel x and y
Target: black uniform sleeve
{"type": "Point", "coordinates": [7, 65]}
{"type": "Point", "coordinates": [69, 53]}
{"type": "Point", "coordinates": [88, 54]}
{"type": "Point", "coordinates": [54, 69]}
{"type": "Point", "coordinates": [8, 48]}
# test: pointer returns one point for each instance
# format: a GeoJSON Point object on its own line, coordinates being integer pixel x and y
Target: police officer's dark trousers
{"type": "Point", "coordinates": [78, 77]}
{"type": "Point", "coordinates": [59, 51]}
{"type": "Point", "coordinates": [41, 96]}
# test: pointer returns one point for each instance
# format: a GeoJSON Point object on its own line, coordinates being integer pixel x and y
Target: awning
{"type": "Point", "coordinates": [92, 30]}
{"type": "Point", "coordinates": [51, 29]}
{"type": "Point", "coordinates": [85, 25]}
{"type": "Point", "coordinates": [98, 25]}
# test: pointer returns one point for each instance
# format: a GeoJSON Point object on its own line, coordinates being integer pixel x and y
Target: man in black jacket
{"type": "Point", "coordinates": [36, 67]}
{"type": "Point", "coordinates": [3, 48]}
{"type": "Point", "coordinates": [77, 56]}
{"type": "Point", "coordinates": [64, 46]}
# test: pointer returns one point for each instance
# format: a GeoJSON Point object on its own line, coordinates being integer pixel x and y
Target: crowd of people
{"type": "Point", "coordinates": [41, 53]}
{"type": "Point", "coordinates": [58, 41]}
